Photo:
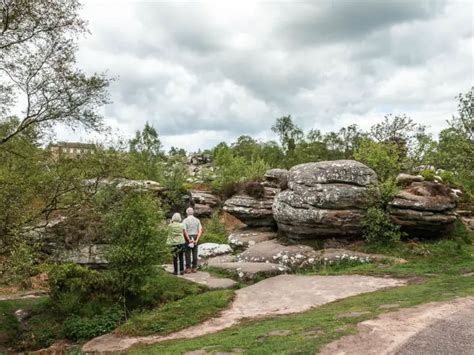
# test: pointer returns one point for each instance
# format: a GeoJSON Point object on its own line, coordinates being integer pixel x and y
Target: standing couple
{"type": "Point", "coordinates": [184, 239]}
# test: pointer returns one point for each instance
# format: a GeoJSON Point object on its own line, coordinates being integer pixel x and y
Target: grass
{"type": "Point", "coordinates": [41, 326]}
{"type": "Point", "coordinates": [177, 315]}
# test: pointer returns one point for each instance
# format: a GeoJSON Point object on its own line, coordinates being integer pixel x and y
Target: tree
{"type": "Point", "coordinates": [38, 67]}
{"type": "Point", "coordinates": [146, 155]}
{"type": "Point", "coordinates": [288, 132]}
{"type": "Point", "coordinates": [137, 243]}
{"type": "Point", "coordinates": [381, 157]}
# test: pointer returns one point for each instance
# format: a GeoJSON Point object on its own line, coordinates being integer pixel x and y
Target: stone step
{"type": "Point", "coordinates": [204, 278]}
{"type": "Point", "coordinates": [248, 237]}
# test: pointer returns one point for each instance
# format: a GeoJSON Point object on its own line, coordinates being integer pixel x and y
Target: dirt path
{"type": "Point", "coordinates": [282, 294]}
{"type": "Point", "coordinates": [433, 328]}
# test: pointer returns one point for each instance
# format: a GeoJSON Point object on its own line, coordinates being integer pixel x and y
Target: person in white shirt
{"type": "Point", "coordinates": [192, 234]}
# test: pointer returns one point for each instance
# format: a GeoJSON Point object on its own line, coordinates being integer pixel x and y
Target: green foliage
{"type": "Point", "coordinates": [387, 190]}
{"type": "Point", "coordinates": [71, 286]}
{"type": "Point", "coordinates": [383, 158]}
{"type": "Point", "coordinates": [428, 174]}
{"type": "Point", "coordinates": [161, 287]}
{"type": "Point", "coordinates": [214, 230]}
{"type": "Point", "coordinates": [21, 264]}
{"type": "Point", "coordinates": [137, 242]}
{"type": "Point", "coordinates": [192, 310]}
{"type": "Point", "coordinates": [83, 328]}
{"type": "Point", "coordinates": [146, 157]}
{"type": "Point", "coordinates": [379, 229]}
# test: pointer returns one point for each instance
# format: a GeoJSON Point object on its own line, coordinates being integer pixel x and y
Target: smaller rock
{"type": "Point", "coordinates": [22, 314]}
{"type": "Point", "coordinates": [389, 306]}
{"type": "Point", "coordinates": [246, 237]}
{"type": "Point", "coordinates": [406, 179]}
{"type": "Point", "coordinates": [277, 178]}
{"type": "Point", "coordinates": [352, 314]}
{"type": "Point", "coordinates": [279, 333]}
{"type": "Point", "coordinates": [207, 250]}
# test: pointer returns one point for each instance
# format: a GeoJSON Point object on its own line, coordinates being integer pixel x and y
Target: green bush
{"type": "Point", "coordinates": [214, 230]}
{"type": "Point", "coordinates": [82, 328]}
{"type": "Point", "coordinates": [379, 229]}
{"type": "Point", "coordinates": [138, 242]}
{"type": "Point", "coordinates": [20, 265]}
{"type": "Point", "coordinates": [428, 174]}
{"type": "Point", "coordinates": [387, 190]}
{"type": "Point", "coordinates": [162, 287]}
{"type": "Point", "coordinates": [71, 286]}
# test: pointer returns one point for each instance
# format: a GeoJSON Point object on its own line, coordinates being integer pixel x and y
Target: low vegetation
{"type": "Point", "coordinates": [177, 315]}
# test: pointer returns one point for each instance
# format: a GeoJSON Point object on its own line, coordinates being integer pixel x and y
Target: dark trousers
{"type": "Point", "coordinates": [178, 255]}
{"type": "Point", "coordinates": [192, 255]}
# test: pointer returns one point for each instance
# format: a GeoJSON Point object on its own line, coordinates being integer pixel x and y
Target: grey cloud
{"type": "Point", "coordinates": [187, 69]}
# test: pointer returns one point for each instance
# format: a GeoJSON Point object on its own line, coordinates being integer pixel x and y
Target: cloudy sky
{"type": "Point", "coordinates": [205, 72]}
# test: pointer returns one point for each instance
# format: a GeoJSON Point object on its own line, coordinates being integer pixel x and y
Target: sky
{"type": "Point", "coordinates": [206, 72]}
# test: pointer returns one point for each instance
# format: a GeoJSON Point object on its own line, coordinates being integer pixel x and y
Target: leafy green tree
{"type": "Point", "coordinates": [38, 68]}
{"type": "Point", "coordinates": [289, 134]}
{"type": "Point", "coordinates": [137, 243]}
{"type": "Point", "coordinates": [146, 155]}
{"type": "Point", "coordinates": [383, 158]}
{"type": "Point", "coordinates": [456, 144]}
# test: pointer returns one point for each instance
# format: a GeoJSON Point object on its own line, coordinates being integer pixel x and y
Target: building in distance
{"type": "Point", "coordinates": [70, 150]}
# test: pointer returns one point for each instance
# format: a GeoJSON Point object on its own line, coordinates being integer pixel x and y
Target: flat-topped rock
{"type": "Point", "coordinates": [424, 208]}
{"type": "Point", "coordinates": [247, 237]}
{"type": "Point", "coordinates": [247, 270]}
{"type": "Point", "coordinates": [274, 252]}
{"type": "Point", "coordinates": [204, 278]}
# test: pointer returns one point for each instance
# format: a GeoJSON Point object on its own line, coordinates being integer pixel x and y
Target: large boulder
{"type": "Point", "coordinates": [255, 210]}
{"type": "Point", "coordinates": [424, 208]}
{"type": "Point", "coordinates": [325, 199]}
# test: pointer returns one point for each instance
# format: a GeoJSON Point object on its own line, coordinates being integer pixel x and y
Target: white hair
{"type": "Point", "coordinates": [189, 211]}
{"type": "Point", "coordinates": [176, 217]}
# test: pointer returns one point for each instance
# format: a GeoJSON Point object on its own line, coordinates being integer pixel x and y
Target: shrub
{"type": "Point", "coordinates": [428, 174]}
{"type": "Point", "coordinates": [137, 243]}
{"type": "Point", "coordinates": [383, 158]}
{"type": "Point", "coordinates": [21, 265]}
{"type": "Point", "coordinates": [379, 229]}
{"type": "Point", "coordinates": [214, 230]}
{"type": "Point", "coordinates": [387, 189]}
{"type": "Point", "coordinates": [71, 286]}
{"type": "Point", "coordinates": [82, 328]}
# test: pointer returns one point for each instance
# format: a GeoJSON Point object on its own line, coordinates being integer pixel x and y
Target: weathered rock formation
{"type": "Point", "coordinates": [204, 203]}
{"type": "Point", "coordinates": [325, 199]}
{"type": "Point", "coordinates": [425, 208]}
{"type": "Point", "coordinates": [257, 211]}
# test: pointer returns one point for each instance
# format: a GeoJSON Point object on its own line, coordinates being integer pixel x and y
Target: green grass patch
{"type": "Point", "coordinates": [177, 315]}
{"type": "Point", "coordinates": [309, 331]}
{"type": "Point", "coordinates": [37, 331]}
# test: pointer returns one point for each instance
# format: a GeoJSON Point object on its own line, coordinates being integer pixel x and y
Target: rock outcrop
{"type": "Point", "coordinates": [325, 199]}
{"type": "Point", "coordinates": [424, 208]}
{"type": "Point", "coordinates": [257, 211]}
{"type": "Point", "coordinates": [204, 203]}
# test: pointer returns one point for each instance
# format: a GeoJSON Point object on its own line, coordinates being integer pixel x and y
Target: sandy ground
{"type": "Point", "coordinates": [433, 328]}
{"type": "Point", "coordinates": [282, 294]}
